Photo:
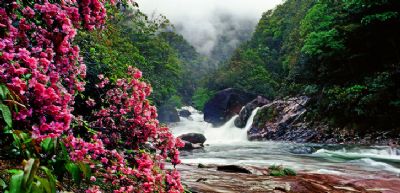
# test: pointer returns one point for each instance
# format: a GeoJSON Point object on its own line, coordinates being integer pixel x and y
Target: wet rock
{"type": "Point", "coordinates": [233, 169]}
{"type": "Point", "coordinates": [185, 113]}
{"type": "Point", "coordinates": [193, 138]}
{"type": "Point", "coordinates": [225, 104]}
{"type": "Point", "coordinates": [190, 146]}
{"type": "Point", "coordinates": [200, 165]}
{"type": "Point", "coordinates": [208, 180]}
{"type": "Point", "coordinates": [192, 141]}
{"type": "Point", "coordinates": [282, 120]}
{"type": "Point", "coordinates": [168, 114]}
{"type": "Point", "coordinates": [246, 111]}
{"type": "Point", "coordinates": [187, 147]}
{"type": "Point", "coordinates": [201, 180]}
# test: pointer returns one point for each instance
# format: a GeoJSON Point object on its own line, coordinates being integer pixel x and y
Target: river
{"type": "Point", "coordinates": [229, 145]}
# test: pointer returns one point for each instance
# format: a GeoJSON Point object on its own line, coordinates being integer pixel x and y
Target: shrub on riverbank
{"type": "Point", "coordinates": [120, 146]}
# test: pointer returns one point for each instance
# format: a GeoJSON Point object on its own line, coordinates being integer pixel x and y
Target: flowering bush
{"type": "Point", "coordinates": [40, 64]}
{"type": "Point", "coordinates": [126, 121]}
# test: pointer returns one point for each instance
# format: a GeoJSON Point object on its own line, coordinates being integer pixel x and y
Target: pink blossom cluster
{"type": "Point", "coordinates": [126, 120]}
{"type": "Point", "coordinates": [38, 61]}
{"type": "Point", "coordinates": [40, 64]}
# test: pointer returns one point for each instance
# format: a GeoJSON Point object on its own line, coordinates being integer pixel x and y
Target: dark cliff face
{"type": "Point", "coordinates": [225, 104]}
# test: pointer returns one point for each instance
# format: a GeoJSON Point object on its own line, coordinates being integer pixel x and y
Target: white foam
{"type": "Point", "coordinates": [226, 134]}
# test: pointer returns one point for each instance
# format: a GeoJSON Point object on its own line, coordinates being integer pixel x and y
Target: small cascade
{"type": "Point", "coordinates": [251, 119]}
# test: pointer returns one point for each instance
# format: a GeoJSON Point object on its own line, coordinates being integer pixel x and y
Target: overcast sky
{"type": "Point", "coordinates": [198, 19]}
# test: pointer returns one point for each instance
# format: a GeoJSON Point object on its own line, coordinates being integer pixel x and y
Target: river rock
{"type": "Point", "coordinates": [190, 146]}
{"type": "Point", "coordinates": [233, 169]}
{"type": "Point", "coordinates": [168, 114]}
{"type": "Point", "coordinates": [184, 113]}
{"type": "Point", "coordinates": [192, 141]}
{"type": "Point", "coordinates": [193, 138]}
{"type": "Point", "coordinates": [246, 111]}
{"type": "Point", "coordinates": [282, 120]}
{"type": "Point", "coordinates": [225, 104]}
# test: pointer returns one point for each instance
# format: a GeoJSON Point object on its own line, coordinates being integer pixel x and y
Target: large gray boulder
{"type": "Point", "coordinates": [193, 138]}
{"type": "Point", "coordinates": [192, 141]}
{"type": "Point", "coordinates": [282, 120]}
{"type": "Point", "coordinates": [225, 104]}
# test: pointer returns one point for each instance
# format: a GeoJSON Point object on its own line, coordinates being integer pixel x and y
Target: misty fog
{"type": "Point", "coordinates": [214, 27]}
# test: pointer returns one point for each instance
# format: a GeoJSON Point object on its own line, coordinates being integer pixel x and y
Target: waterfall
{"type": "Point", "coordinates": [226, 134]}
{"type": "Point", "coordinates": [251, 119]}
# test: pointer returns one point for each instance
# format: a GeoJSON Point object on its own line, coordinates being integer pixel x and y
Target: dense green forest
{"type": "Point", "coordinates": [169, 63]}
{"type": "Point", "coordinates": [344, 54]}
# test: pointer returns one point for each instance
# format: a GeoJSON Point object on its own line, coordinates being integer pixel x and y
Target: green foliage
{"type": "Point", "coordinates": [6, 98]}
{"type": "Point", "coordinates": [200, 97]}
{"type": "Point", "coordinates": [30, 180]}
{"type": "Point", "coordinates": [324, 43]}
{"type": "Point", "coordinates": [6, 114]}
{"type": "Point", "coordinates": [259, 65]}
{"type": "Point", "coordinates": [131, 39]}
{"type": "Point", "coordinates": [264, 115]}
{"type": "Point", "coordinates": [194, 66]}
{"type": "Point", "coordinates": [74, 170]}
{"type": "Point", "coordinates": [380, 17]}
{"type": "Point", "coordinates": [175, 101]}
{"type": "Point", "coordinates": [275, 170]}
{"type": "Point", "coordinates": [344, 54]}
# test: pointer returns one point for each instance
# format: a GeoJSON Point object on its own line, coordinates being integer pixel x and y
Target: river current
{"type": "Point", "coordinates": [229, 145]}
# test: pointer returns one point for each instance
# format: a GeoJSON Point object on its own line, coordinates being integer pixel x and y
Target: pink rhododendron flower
{"type": "Point", "coordinates": [40, 63]}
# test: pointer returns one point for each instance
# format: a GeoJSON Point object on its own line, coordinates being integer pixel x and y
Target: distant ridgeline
{"type": "Point", "coordinates": [343, 54]}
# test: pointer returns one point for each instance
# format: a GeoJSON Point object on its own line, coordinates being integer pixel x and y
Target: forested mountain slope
{"type": "Point", "coordinates": [132, 39]}
{"type": "Point", "coordinates": [344, 54]}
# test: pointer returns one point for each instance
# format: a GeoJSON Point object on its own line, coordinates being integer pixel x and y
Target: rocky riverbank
{"type": "Point", "coordinates": [210, 180]}
{"type": "Point", "coordinates": [285, 120]}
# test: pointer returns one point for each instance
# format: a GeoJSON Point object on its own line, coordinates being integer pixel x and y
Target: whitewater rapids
{"type": "Point", "coordinates": [229, 145]}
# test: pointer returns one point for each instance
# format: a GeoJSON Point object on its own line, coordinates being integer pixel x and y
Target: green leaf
{"type": "Point", "coordinates": [30, 169]}
{"type": "Point", "coordinates": [37, 187]}
{"type": "Point", "coordinates": [16, 182]}
{"type": "Point", "coordinates": [44, 184]}
{"type": "Point", "coordinates": [289, 172]}
{"type": "Point", "coordinates": [6, 113]}
{"type": "Point", "coordinates": [13, 171]}
{"type": "Point", "coordinates": [52, 179]}
{"type": "Point", "coordinates": [3, 184]}
{"type": "Point", "coordinates": [4, 91]}
{"type": "Point", "coordinates": [85, 169]}
{"type": "Point", "coordinates": [74, 170]}
{"type": "Point", "coordinates": [47, 144]}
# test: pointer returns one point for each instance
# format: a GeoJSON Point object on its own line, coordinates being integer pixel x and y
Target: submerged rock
{"type": "Point", "coordinates": [302, 150]}
{"type": "Point", "coordinates": [184, 113]}
{"type": "Point", "coordinates": [233, 169]}
{"type": "Point", "coordinates": [225, 104]}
